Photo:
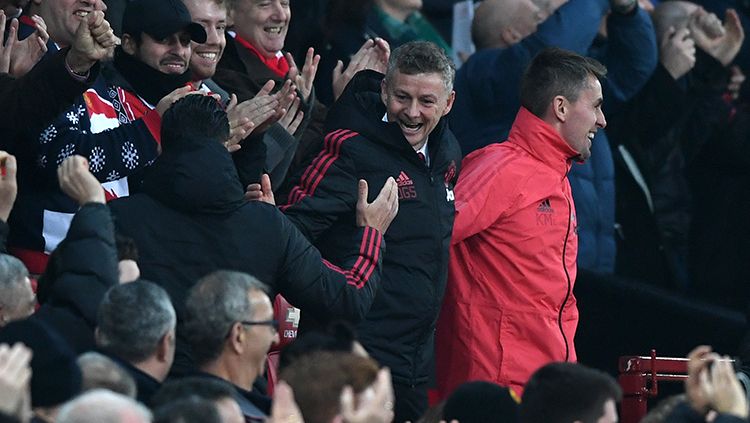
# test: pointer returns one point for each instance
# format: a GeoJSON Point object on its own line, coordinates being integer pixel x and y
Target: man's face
{"type": "Point", "coordinates": [170, 55]}
{"type": "Point", "coordinates": [264, 23]}
{"type": "Point", "coordinates": [416, 103]}
{"type": "Point", "coordinates": [63, 17]}
{"type": "Point", "coordinates": [584, 118]}
{"type": "Point", "coordinates": [213, 17]}
{"type": "Point", "coordinates": [260, 337]}
{"type": "Point", "coordinates": [610, 413]}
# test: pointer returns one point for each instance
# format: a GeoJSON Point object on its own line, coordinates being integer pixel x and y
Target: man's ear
{"type": "Point", "coordinates": [236, 337]}
{"type": "Point", "coordinates": [128, 44]}
{"type": "Point", "coordinates": [560, 107]}
{"type": "Point", "coordinates": [165, 344]}
{"type": "Point", "coordinates": [449, 103]}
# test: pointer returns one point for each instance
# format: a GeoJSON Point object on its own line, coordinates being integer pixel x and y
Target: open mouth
{"type": "Point", "coordinates": [174, 65]}
{"type": "Point", "coordinates": [410, 128]}
{"type": "Point", "coordinates": [210, 56]}
{"type": "Point", "coordinates": [82, 13]}
{"type": "Point", "coordinates": [274, 30]}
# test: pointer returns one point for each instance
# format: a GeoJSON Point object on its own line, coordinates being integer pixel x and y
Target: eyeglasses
{"type": "Point", "coordinates": [271, 323]}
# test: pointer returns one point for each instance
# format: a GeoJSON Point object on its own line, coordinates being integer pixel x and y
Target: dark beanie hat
{"type": "Point", "coordinates": [56, 377]}
{"type": "Point", "coordinates": [481, 402]}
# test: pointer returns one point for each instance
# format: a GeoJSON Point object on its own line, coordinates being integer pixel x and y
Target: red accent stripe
{"type": "Point", "coordinates": [363, 249]}
{"type": "Point", "coordinates": [375, 255]}
{"type": "Point", "coordinates": [297, 190]}
{"type": "Point", "coordinates": [360, 273]}
{"type": "Point", "coordinates": [318, 168]}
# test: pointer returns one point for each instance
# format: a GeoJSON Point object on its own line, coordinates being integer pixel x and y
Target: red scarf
{"type": "Point", "coordinates": [277, 64]}
{"type": "Point", "coordinates": [26, 20]}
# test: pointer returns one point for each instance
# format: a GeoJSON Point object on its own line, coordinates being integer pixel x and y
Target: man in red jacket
{"type": "Point", "coordinates": [509, 306]}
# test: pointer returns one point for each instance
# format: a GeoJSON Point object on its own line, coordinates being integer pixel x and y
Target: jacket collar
{"type": "Point", "coordinates": [541, 141]}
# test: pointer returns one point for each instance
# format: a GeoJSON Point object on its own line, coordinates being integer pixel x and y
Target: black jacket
{"type": "Point", "coordinates": [191, 220]}
{"type": "Point", "coordinates": [398, 330]}
{"type": "Point", "coordinates": [80, 271]}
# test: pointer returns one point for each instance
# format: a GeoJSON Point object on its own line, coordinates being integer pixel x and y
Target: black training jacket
{"type": "Point", "coordinates": [398, 330]}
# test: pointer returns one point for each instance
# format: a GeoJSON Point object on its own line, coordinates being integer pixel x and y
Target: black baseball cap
{"type": "Point", "coordinates": [160, 19]}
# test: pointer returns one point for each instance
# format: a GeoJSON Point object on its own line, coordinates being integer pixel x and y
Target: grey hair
{"type": "Point", "coordinates": [99, 371]}
{"type": "Point", "coordinates": [12, 272]}
{"type": "Point", "coordinates": [416, 57]}
{"type": "Point", "coordinates": [214, 304]}
{"type": "Point", "coordinates": [133, 318]}
{"type": "Point", "coordinates": [103, 406]}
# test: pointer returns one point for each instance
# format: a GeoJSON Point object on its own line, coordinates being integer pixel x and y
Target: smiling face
{"type": "Point", "coordinates": [212, 15]}
{"type": "Point", "coordinates": [264, 23]}
{"type": "Point", "coordinates": [170, 55]}
{"type": "Point", "coordinates": [63, 16]}
{"type": "Point", "coordinates": [583, 118]}
{"type": "Point", "coordinates": [416, 103]}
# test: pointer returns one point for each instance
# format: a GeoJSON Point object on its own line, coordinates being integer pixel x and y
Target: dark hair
{"type": "Point", "coordinates": [132, 319]}
{"type": "Point", "coordinates": [194, 116]}
{"type": "Point", "coordinates": [317, 380]}
{"type": "Point", "coordinates": [188, 410]}
{"type": "Point", "coordinates": [202, 387]}
{"type": "Point", "coordinates": [339, 336]}
{"type": "Point", "coordinates": [479, 401]}
{"type": "Point", "coordinates": [565, 392]}
{"type": "Point", "coordinates": [417, 57]}
{"type": "Point", "coordinates": [554, 72]}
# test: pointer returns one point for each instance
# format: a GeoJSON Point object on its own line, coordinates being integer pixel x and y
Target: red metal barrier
{"type": "Point", "coordinates": [639, 378]}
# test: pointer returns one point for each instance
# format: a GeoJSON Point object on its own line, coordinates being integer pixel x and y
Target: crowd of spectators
{"type": "Point", "coordinates": [328, 211]}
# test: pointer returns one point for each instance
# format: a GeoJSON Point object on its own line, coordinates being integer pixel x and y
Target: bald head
{"type": "Point", "coordinates": [675, 14]}
{"type": "Point", "coordinates": [502, 23]}
{"type": "Point", "coordinates": [103, 406]}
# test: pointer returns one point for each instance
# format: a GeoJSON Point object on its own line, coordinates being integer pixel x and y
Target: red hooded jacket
{"type": "Point", "coordinates": [509, 306]}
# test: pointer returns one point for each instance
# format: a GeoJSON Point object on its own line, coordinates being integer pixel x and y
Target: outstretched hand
{"type": "Point", "coordinates": [8, 185]}
{"type": "Point", "coordinates": [261, 192]}
{"type": "Point", "coordinates": [15, 376]}
{"type": "Point", "coordinates": [380, 213]}
{"type": "Point", "coordinates": [27, 52]}
{"type": "Point", "coordinates": [375, 408]}
{"type": "Point", "coordinates": [373, 55]}
{"type": "Point", "coordinates": [677, 52]}
{"type": "Point", "coordinates": [284, 409]}
{"type": "Point", "coordinates": [77, 181]}
{"type": "Point", "coordinates": [722, 42]}
{"type": "Point", "coordinates": [304, 79]}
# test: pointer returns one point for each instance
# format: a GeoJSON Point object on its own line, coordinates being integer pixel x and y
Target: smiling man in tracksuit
{"type": "Point", "coordinates": [509, 307]}
{"type": "Point", "coordinates": [383, 127]}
